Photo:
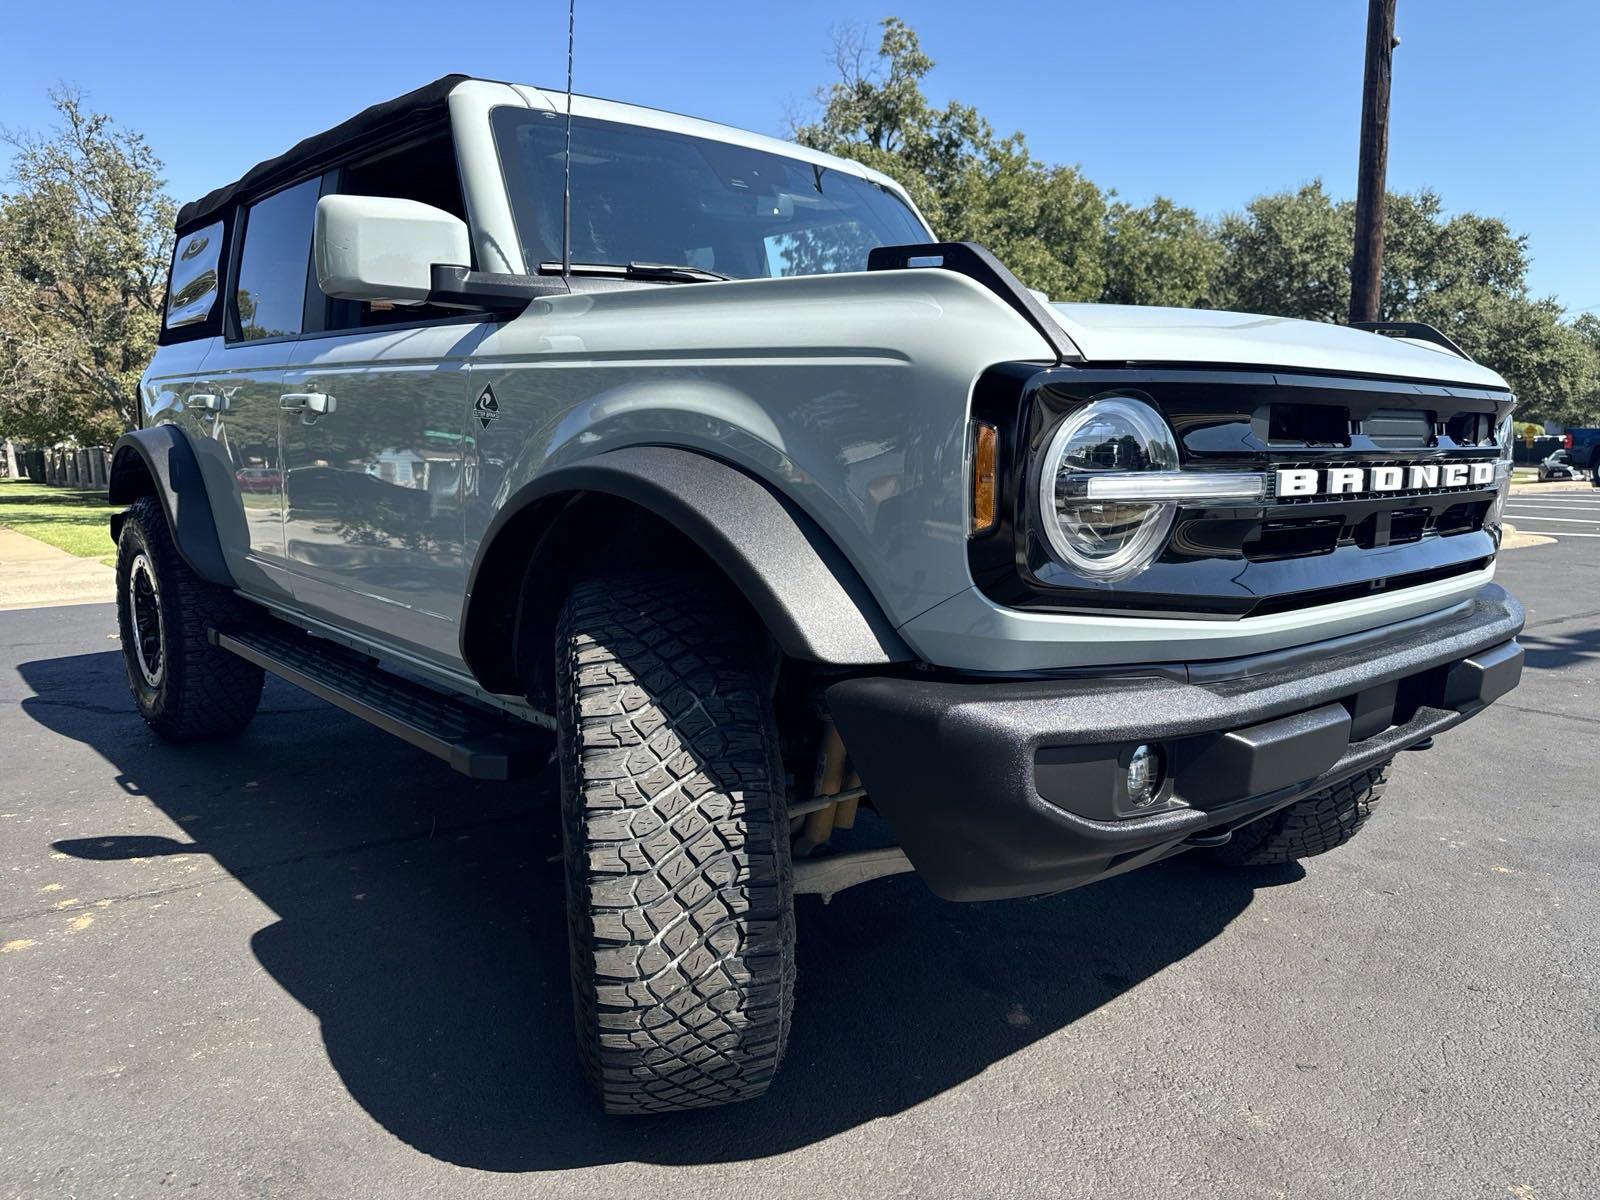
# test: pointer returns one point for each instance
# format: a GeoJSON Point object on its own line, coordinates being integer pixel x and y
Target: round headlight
{"type": "Point", "coordinates": [1106, 539]}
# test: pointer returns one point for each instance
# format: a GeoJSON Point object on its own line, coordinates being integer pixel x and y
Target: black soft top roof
{"type": "Point", "coordinates": [425, 104]}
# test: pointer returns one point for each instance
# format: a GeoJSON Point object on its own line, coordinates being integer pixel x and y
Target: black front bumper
{"type": "Point", "coordinates": [1014, 787]}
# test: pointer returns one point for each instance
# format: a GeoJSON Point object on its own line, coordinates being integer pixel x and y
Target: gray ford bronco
{"type": "Point", "coordinates": [809, 549]}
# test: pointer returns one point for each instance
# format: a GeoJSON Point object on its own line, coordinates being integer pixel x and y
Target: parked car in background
{"type": "Point", "coordinates": [258, 479]}
{"type": "Point", "coordinates": [1583, 451]}
{"type": "Point", "coordinates": [1558, 466]}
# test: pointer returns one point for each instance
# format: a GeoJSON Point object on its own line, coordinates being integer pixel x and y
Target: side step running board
{"type": "Point", "coordinates": [478, 743]}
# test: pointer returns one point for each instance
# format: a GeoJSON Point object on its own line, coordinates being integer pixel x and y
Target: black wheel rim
{"type": "Point", "coordinates": [144, 604]}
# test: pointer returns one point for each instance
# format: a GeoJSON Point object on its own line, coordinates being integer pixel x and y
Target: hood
{"type": "Point", "coordinates": [1133, 333]}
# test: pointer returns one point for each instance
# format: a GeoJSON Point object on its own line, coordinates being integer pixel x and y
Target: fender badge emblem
{"type": "Point", "coordinates": [487, 407]}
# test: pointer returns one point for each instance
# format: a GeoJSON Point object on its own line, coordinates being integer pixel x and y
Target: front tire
{"type": "Point", "coordinates": [1320, 822]}
{"type": "Point", "coordinates": [186, 689]}
{"type": "Point", "coordinates": [680, 902]}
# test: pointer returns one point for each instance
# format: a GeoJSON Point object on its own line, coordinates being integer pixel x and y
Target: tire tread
{"type": "Point", "coordinates": [680, 898]}
{"type": "Point", "coordinates": [1320, 822]}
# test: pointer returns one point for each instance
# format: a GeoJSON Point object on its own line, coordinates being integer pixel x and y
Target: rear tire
{"type": "Point", "coordinates": [680, 904]}
{"type": "Point", "coordinates": [1314, 825]}
{"type": "Point", "coordinates": [185, 688]}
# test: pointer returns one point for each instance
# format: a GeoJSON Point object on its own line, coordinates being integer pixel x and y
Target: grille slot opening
{"type": "Point", "coordinates": [1407, 525]}
{"type": "Point", "coordinates": [1398, 528]}
{"type": "Point", "coordinates": [1303, 537]}
{"type": "Point", "coordinates": [1462, 518]}
{"type": "Point", "coordinates": [1469, 429]}
{"type": "Point", "coordinates": [1309, 424]}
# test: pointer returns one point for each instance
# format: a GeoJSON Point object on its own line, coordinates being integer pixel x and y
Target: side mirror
{"type": "Point", "coordinates": [382, 248]}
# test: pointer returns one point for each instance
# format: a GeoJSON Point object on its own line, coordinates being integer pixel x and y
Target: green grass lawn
{"type": "Point", "coordinates": [69, 518]}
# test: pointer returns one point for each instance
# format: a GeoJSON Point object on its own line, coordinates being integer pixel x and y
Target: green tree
{"type": "Point", "coordinates": [1587, 409]}
{"type": "Point", "coordinates": [1045, 222]}
{"type": "Point", "coordinates": [1289, 255]}
{"type": "Point", "coordinates": [1160, 254]}
{"type": "Point", "coordinates": [85, 236]}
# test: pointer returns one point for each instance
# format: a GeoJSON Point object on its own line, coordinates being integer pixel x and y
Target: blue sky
{"type": "Point", "coordinates": [1494, 106]}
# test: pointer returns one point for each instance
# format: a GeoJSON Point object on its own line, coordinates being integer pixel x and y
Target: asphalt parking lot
{"type": "Point", "coordinates": [313, 962]}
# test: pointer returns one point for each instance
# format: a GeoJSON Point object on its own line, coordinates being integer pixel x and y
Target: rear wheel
{"type": "Point", "coordinates": [186, 689]}
{"type": "Point", "coordinates": [1314, 825]}
{"type": "Point", "coordinates": [680, 902]}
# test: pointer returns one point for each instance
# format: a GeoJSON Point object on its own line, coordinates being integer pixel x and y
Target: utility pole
{"type": "Point", "coordinates": [1366, 267]}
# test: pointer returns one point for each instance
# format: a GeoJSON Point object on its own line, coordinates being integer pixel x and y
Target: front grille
{"type": "Point", "coordinates": [1307, 526]}
{"type": "Point", "coordinates": [1284, 551]}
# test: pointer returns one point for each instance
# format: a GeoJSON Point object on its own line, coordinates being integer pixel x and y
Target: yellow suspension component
{"type": "Point", "coordinates": [828, 781]}
{"type": "Point", "coordinates": [844, 812]}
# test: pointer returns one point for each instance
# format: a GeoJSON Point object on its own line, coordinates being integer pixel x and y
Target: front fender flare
{"type": "Point", "coordinates": [809, 595]}
{"type": "Point", "coordinates": [159, 461]}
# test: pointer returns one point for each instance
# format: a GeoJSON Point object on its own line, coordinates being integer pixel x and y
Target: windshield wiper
{"type": "Point", "coordinates": [657, 272]}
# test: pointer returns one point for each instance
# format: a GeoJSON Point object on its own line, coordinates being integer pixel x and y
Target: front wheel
{"type": "Point", "coordinates": [680, 905]}
{"type": "Point", "coordinates": [1320, 822]}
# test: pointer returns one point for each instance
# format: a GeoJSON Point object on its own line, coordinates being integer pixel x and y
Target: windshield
{"type": "Point", "coordinates": [650, 196]}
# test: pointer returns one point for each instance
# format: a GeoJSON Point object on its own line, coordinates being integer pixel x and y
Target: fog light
{"type": "Point", "coordinates": [1144, 776]}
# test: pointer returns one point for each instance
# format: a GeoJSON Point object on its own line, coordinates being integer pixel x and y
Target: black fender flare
{"type": "Point", "coordinates": [809, 595]}
{"type": "Point", "coordinates": [159, 461]}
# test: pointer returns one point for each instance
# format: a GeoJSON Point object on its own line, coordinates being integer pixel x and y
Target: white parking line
{"type": "Point", "coordinates": [1565, 520]}
{"type": "Point", "coordinates": [1555, 533]}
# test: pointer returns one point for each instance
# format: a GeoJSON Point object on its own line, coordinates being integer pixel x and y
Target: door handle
{"type": "Point", "coordinates": [207, 402]}
{"type": "Point", "coordinates": [318, 403]}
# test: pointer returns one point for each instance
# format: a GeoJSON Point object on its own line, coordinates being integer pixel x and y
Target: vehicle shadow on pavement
{"type": "Point", "coordinates": [1549, 651]}
{"type": "Point", "coordinates": [419, 918]}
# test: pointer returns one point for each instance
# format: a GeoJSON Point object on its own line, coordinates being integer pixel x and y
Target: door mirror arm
{"type": "Point", "coordinates": [460, 287]}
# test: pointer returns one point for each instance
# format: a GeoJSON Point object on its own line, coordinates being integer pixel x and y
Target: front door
{"type": "Point", "coordinates": [372, 429]}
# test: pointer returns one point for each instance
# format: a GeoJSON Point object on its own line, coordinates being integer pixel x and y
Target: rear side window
{"type": "Point", "coordinates": [270, 296]}
{"type": "Point", "coordinates": [194, 284]}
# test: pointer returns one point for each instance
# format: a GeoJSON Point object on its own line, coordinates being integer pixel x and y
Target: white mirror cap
{"type": "Point", "coordinates": [383, 248]}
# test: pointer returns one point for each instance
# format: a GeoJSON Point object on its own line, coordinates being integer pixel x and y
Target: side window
{"type": "Point", "coordinates": [193, 285]}
{"type": "Point", "coordinates": [424, 171]}
{"type": "Point", "coordinates": [270, 293]}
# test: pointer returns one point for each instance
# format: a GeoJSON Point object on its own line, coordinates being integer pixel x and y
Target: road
{"type": "Point", "coordinates": [312, 962]}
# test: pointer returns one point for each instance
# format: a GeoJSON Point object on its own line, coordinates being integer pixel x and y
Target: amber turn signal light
{"type": "Point", "coordinates": [985, 462]}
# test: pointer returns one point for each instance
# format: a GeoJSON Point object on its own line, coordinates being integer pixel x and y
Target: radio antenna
{"type": "Point", "coordinates": [566, 184]}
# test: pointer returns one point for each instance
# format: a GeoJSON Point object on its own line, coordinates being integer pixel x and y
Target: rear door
{"type": "Point", "coordinates": [236, 398]}
{"type": "Point", "coordinates": [171, 390]}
